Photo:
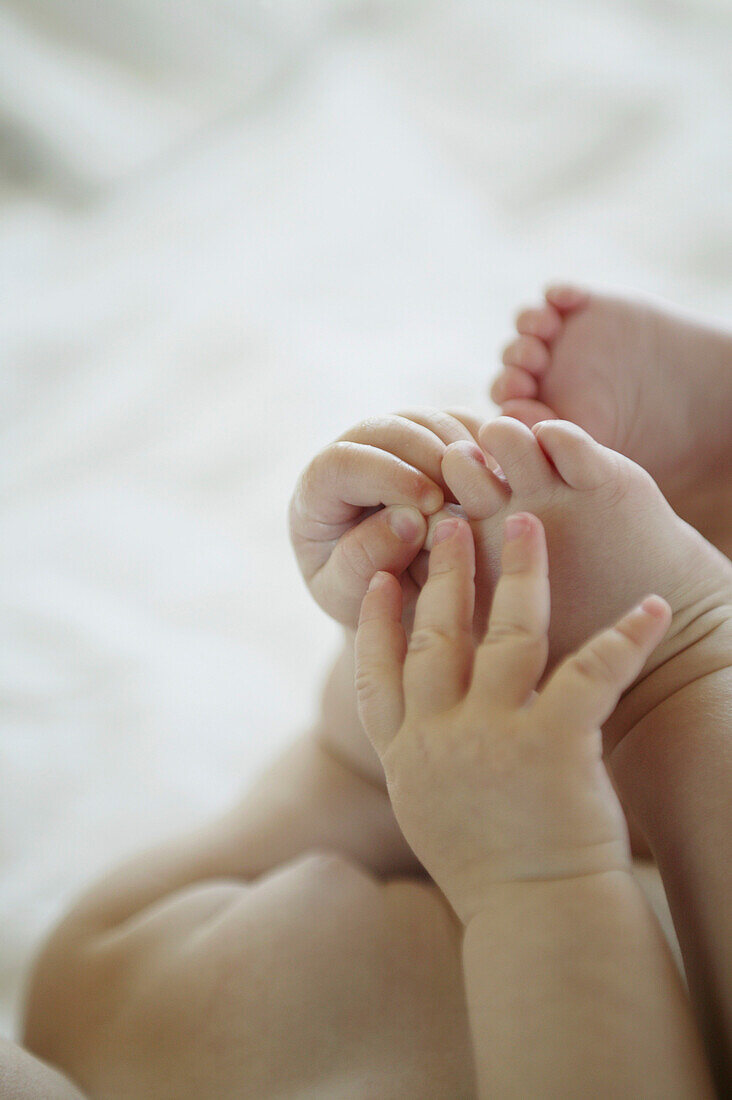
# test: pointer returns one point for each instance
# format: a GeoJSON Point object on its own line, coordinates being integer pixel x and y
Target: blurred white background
{"type": "Point", "coordinates": [228, 230]}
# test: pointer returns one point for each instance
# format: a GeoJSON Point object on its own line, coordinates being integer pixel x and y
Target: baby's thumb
{"type": "Point", "coordinates": [388, 540]}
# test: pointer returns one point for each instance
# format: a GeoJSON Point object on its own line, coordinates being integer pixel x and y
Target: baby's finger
{"type": "Point", "coordinates": [419, 569]}
{"type": "Point", "coordinates": [412, 442]}
{"type": "Point", "coordinates": [390, 539]}
{"type": "Point", "coordinates": [346, 477]}
{"type": "Point", "coordinates": [468, 418]}
{"type": "Point", "coordinates": [585, 689]}
{"type": "Point", "coordinates": [439, 658]}
{"type": "Point", "coordinates": [379, 652]}
{"type": "Point", "coordinates": [448, 426]}
{"type": "Point", "coordinates": [449, 511]}
{"type": "Point", "coordinates": [513, 653]}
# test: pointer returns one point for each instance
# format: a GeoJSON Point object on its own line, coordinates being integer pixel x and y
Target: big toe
{"type": "Point", "coordinates": [566, 297]}
{"type": "Point", "coordinates": [467, 476]}
{"type": "Point", "coordinates": [518, 454]}
{"type": "Point", "coordinates": [545, 322]}
{"type": "Point", "coordinates": [578, 459]}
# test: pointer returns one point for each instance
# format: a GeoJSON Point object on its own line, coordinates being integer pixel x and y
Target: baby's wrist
{"type": "Point", "coordinates": [521, 900]}
{"type": "Point", "coordinates": [489, 889]}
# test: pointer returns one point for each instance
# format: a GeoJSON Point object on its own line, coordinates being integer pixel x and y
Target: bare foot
{"type": "Point", "coordinates": [611, 535]}
{"type": "Point", "coordinates": [651, 384]}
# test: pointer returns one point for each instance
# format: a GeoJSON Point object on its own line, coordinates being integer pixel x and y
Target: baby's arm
{"type": "Point", "coordinates": [359, 506]}
{"type": "Point", "coordinates": [572, 992]}
{"type": "Point", "coordinates": [503, 795]}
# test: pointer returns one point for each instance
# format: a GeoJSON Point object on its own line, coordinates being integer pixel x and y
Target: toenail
{"type": "Point", "coordinates": [473, 452]}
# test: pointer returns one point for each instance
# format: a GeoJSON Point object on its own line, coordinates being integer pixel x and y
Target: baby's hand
{"type": "Point", "coordinates": [360, 505]}
{"type": "Point", "coordinates": [491, 782]}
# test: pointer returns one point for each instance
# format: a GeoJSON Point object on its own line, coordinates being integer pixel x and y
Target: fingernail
{"type": "Point", "coordinates": [376, 580]}
{"type": "Point", "coordinates": [444, 530]}
{"type": "Point", "coordinates": [654, 606]}
{"type": "Point", "coordinates": [516, 526]}
{"type": "Point", "coordinates": [405, 523]}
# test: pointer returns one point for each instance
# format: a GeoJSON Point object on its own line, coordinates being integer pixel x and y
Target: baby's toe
{"type": "Point", "coordinates": [565, 297]}
{"type": "Point", "coordinates": [545, 323]}
{"type": "Point", "coordinates": [513, 382]}
{"type": "Point", "coordinates": [467, 476]}
{"type": "Point", "coordinates": [577, 458]}
{"type": "Point", "coordinates": [518, 454]}
{"type": "Point", "coordinates": [528, 352]}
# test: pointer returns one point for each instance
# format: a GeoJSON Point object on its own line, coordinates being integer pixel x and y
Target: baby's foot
{"type": "Point", "coordinates": [653, 385]}
{"type": "Point", "coordinates": [611, 535]}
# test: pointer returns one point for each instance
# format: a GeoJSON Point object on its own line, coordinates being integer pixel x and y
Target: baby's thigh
{"type": "Point", "coordinates": [353, 983]}
{"type": "Point", "coordinates": [316, 979]}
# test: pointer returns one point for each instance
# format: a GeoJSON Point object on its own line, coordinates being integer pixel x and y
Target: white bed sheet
{"type": "Point", "coordinates": [227, 232]}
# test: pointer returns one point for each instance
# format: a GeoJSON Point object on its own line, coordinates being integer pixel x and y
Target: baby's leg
{"type": "Point", "coordinates": [307, 800]}
{"type": "Point", "coordinates": [23, 1077]}
{"type": "Point", "coordinates": [675, 771]}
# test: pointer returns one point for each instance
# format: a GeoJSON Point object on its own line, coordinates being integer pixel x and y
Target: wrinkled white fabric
{"type": "Point", "coordinates": [227, 231]}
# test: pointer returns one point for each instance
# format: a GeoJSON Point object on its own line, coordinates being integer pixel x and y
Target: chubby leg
{"type": "Point", "coordinates": [23, 1077]}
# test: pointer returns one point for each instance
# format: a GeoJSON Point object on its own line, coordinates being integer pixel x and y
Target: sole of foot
{"type": "Point", "coordinates": [650, 383]}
